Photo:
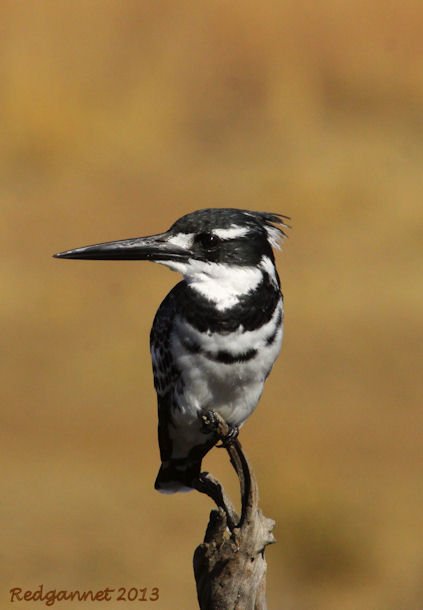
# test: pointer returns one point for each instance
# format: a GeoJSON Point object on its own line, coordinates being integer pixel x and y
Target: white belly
{"type": "Point", "coordinates": [234, 389]}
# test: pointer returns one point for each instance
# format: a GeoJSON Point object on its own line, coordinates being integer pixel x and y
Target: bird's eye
{"type": "Point", "coordinates": [207, 240]}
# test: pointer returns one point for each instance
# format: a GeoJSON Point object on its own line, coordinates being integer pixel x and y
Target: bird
{"type": "Point", "coordinates": [218, 332]}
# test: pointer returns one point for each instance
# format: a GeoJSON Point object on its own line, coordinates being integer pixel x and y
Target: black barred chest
{"type": "Point", "coordinates": [224, 371]}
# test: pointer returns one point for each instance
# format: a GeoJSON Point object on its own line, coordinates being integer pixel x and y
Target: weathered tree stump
{"type": "Point", "coordinates": [229, 566]}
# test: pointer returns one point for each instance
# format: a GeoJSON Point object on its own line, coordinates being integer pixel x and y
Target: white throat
{"type": "Point", "coordinates": [222, 284]}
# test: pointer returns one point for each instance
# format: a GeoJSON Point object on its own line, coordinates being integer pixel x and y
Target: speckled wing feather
{"type": "Point", "coordinates": [165, 371]}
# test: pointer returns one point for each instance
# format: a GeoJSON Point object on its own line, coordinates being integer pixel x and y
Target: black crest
{"type": "Point", "coordinates": [222, 218]}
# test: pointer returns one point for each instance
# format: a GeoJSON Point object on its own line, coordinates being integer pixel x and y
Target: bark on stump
{"type": "Point", "coordinates": [229, 566]}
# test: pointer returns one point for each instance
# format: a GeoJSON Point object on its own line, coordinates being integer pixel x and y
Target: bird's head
{"type": "Point", "coordinates": [209, 237]}
{"type": "Point", "coordinates": [222, 253]}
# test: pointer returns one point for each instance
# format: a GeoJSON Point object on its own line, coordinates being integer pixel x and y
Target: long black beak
{"type": "Point", "coordinates": [152, 248]}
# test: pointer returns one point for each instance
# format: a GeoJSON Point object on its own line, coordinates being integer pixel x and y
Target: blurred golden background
{"type": "Point", "coordinates": [117, 118]}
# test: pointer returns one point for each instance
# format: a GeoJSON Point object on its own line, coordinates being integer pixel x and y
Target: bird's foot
{"type": "Point", "coordinates": [210, 422]}
{"type": "Point", "coordinates": [213, 422]}
{"type": "Point", "coordinates": [229, 438]}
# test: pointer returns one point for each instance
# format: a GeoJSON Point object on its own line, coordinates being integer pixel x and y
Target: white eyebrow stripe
{"type": "Point", "coordinates": [232, 232]}
{"type": "Point", "coordinates": [183, 240]}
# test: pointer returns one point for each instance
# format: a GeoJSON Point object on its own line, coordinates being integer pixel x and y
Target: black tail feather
{"type": "Point", "coordinates": [177, 476]}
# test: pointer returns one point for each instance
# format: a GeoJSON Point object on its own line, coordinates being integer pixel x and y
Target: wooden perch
{"type": "Point", "coordinates": [229, 566]}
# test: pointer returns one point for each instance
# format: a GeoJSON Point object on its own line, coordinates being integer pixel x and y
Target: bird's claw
{"type": "Point", "coordinates": [209, 422]}
{"type": "Point", "coordinates": [229, 438]}
{"type": "Point", "coordinates": [212, 423]}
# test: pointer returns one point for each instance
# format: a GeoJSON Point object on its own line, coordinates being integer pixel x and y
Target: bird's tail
{"type": "Point", "coordinates": [177, 475]}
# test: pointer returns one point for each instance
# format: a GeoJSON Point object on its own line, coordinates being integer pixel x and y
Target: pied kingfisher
{"type": "Point", "coordinates": [218, 332]}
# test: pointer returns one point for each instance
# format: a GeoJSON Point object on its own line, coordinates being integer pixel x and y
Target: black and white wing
{"type": "Point", "coordinates": [166, 374]}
